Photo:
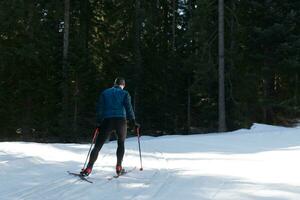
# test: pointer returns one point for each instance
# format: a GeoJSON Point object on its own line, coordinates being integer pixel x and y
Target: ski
{"type": "Point", "coordinates": [121, 174]}
{"type": "Point", "coordinates": [80, 176]}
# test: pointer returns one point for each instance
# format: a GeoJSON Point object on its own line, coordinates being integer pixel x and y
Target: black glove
{"type": "Point", "coordinates": [137, 125]}
{"type": "Point", "coordinates": [134, 124]}
{"type": "Point", "coordinates": [98, 124]}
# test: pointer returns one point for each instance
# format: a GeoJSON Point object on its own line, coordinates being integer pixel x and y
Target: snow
{"type": "Point", "coordinates": [260, 163]}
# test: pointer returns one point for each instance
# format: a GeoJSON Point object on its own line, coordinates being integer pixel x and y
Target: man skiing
{"type": "Point", "coordinates": [113, 109]}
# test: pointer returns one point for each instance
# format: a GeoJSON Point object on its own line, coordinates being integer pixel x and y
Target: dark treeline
{"type": "Point", "coordinates": [167, 50]}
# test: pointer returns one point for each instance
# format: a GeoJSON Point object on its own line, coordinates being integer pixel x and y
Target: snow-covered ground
{"type": "Point", "coordinates": [262, 163]}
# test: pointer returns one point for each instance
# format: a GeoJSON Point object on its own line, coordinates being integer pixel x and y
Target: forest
{"type": "Point", "coordinates": [57, 56]}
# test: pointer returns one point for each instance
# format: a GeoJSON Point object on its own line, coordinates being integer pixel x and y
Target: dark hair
{"type": "Point", "coordinates": [119, 81]}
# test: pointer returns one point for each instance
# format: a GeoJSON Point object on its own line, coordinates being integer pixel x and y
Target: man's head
{"type": "Point", "coordinates": [120, 82]}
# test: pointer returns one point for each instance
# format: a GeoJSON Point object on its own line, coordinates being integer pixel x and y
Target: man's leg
{"type": "Point", "coordinates": [105, 130]}
{"type": "Point", "coordinates": [121, 131]}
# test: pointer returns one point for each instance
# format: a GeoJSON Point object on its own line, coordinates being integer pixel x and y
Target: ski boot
{"type": "Point", "coordinates": [119, 170]}
{"type": "Point", "coordinates": [86, 171]}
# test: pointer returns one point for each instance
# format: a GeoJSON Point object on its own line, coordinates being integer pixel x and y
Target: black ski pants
{"type": "Point", "coordinates": [108, 125]}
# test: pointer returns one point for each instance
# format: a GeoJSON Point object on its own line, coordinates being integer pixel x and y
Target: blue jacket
{"type": "Point", "coordinates": [114, 102]}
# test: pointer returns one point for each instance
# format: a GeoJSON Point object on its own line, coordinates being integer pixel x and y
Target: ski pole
{"type": "Point", "coordinates": [93, 141]}
{"type": "Point", "coordinates": [139, 135]}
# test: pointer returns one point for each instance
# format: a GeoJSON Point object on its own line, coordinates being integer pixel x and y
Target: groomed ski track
{"type": "Point", "coordinates": [257, 164]}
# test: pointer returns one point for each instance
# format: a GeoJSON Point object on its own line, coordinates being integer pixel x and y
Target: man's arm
{"type": "Point", "coordinates": [130, 113]}
{"type": "Point", "coordinates": [128, 107]}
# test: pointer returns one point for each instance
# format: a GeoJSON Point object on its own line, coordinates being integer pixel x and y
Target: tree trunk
{"type": "Point", "coordinates": [189, 75]}
{"type": "Point", "coordinates": [189, 105]}
{"type": "Point", "coordinates": [232, 49]}
{"type": "Point", "coordinates": [65, 68]}
{"type": "Point", "coordinates": [174, 25]}
{"type": "Point", "coordinates": [137, 54]}
{"type": "Point", "coordinates": [28, 103]}
{"type": "Point", "coordinates": [84, 61]}
{"type": "Point", "coordinates": [296, 89]}
{"type": "Point", "coordinates": [190, 8]}
{"type": "Point", "coordinates": [268, 81]}
{"type": "Point", "coordinates": [222, 118]}
{"type": "Point", "coordinates": [76, 103]}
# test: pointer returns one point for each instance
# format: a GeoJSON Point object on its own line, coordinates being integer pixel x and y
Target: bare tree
{"type": "Point", "coordinates": [65, 60]}
{"type": "Point", "coordinates": [173, 24]}
{"type": "Point", "coordinates": [137, 51]}
{"type": "Point", "coordinates": [222, 111]}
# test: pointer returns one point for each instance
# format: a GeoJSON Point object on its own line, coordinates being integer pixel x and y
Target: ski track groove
{"type": "Point", "coordinates": [73, 192]}
{"type": "Point", "coordinates": [221, 186]}
{"type": "Point", "coordinates": [166, 179]}
{"type": "Point", "coordinates": [28, 187]}
{"type": "Point", "coordinates": [136, 195]}
{"type": "Point", "coordinates": [149, 182]}
{"type": "Point", "coordinates": [34, 192]}
{"type": "Point", "coordinates": [27, 191]}
{"type": "Point", "coordinates": [159, 187]}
